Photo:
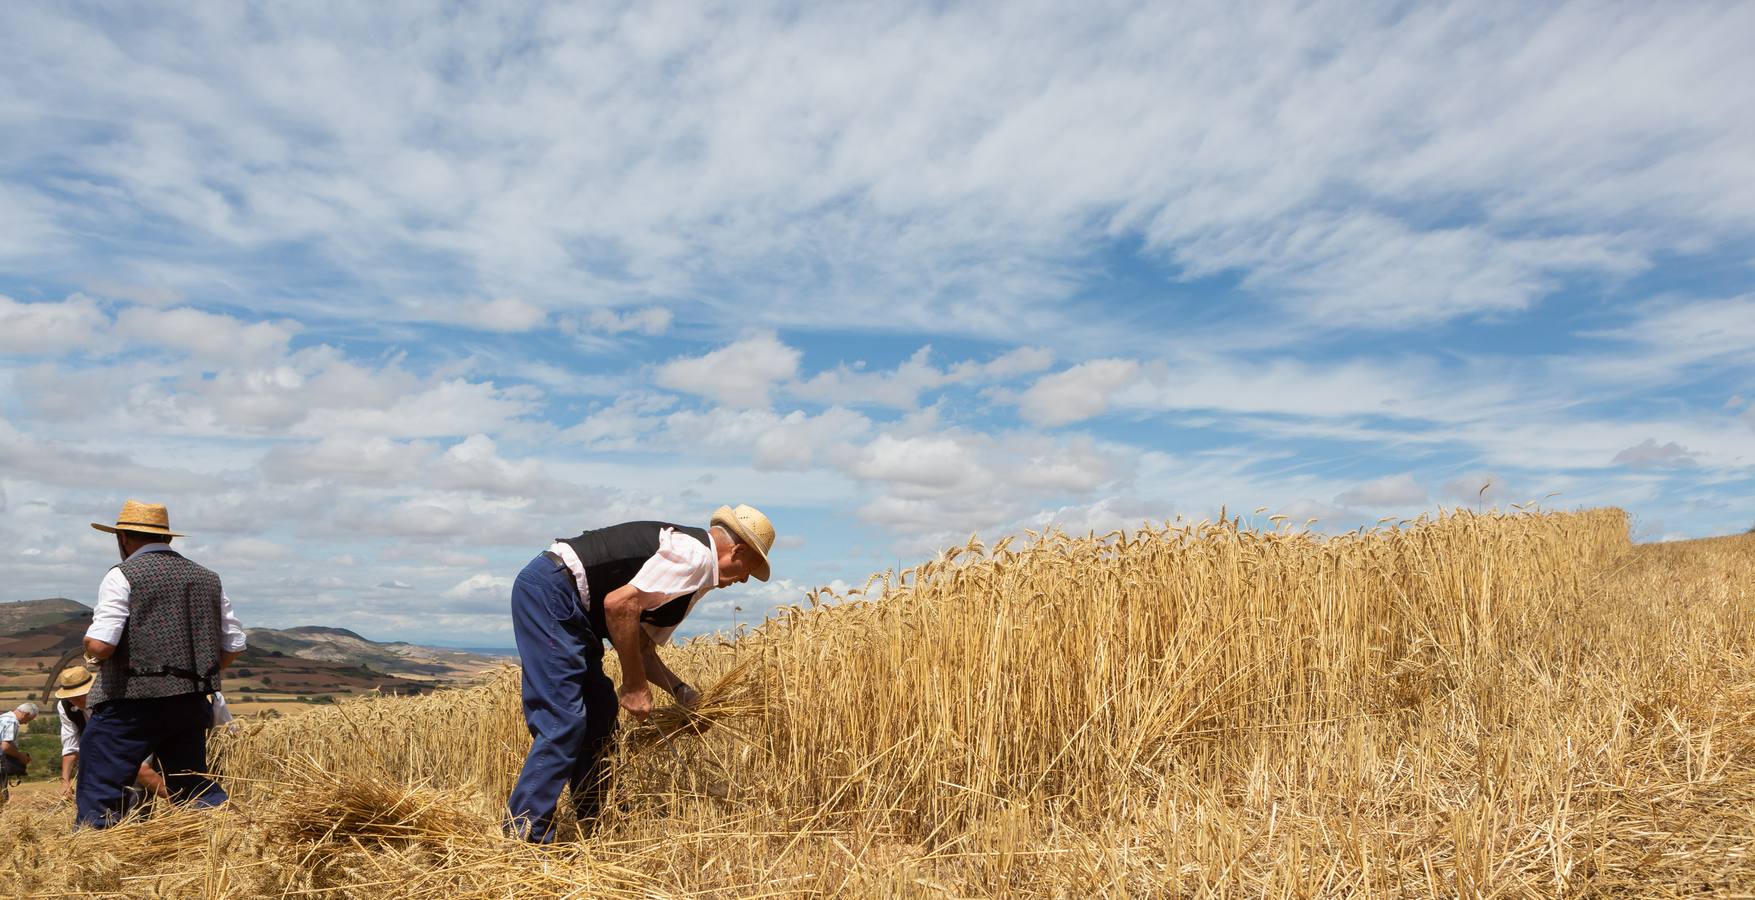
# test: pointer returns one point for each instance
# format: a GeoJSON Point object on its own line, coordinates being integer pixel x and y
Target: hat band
{"type": "Point", "coordinates": [147, 524]}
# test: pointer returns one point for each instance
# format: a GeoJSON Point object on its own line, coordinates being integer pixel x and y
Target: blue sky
{"type": "Point", "coordinates": [380, 297]}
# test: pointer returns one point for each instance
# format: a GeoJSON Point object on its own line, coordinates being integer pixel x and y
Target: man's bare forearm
{"type": "Point", "coordinates": [624, 632]}
{"type": "Point", "coordinates": [68, 760]}
{"type": "Point", "coordinates": [228, 657]}
{"type": "Point", "coordinates": [97, 649]}
{"type": "Point", "coordinates": [11, 749]}
{"type": "Point", "coordinates": [656, 671]}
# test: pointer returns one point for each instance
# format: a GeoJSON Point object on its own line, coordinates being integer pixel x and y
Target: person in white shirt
{"type": "Point", "coordinates": [630, 584]}
{"type": "Point", "coordinates": [70, 698]}
{"type": "Point", "coordinates": [161, 633]}
{"type": "Point", "coordinates": [13, 759]}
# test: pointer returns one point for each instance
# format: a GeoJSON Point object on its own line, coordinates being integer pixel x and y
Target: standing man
{"type": "Point", "coordinates": [162, 630]}
{"type": "Point", "coordinates": [70, 699]}
{"type": "Point", "coordinates": [631, 584]}
{"type": "Point", "coordinates": [13, 759]}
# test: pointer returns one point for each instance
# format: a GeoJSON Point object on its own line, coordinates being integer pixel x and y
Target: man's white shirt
{"type": "Point", "coordinates": [681, 566]}
{"type": "Point", "coordinates": [110, 616]}
{"type": "Point", "coordinates": [9, 726]}
{"type": "Point", "coordinates": [69, 731]}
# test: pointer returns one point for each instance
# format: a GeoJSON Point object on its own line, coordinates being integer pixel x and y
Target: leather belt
{"type": "Point", "coordinates": [572, 583]}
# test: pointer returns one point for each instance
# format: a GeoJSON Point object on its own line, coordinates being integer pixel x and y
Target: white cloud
{"type": "Point", "coordinates": [649, 320]}
{"type": "Point", "coordinates": [1649, 454]}
{"type": "Point", "coordinates": [1478, 487]}
{"type": "Point", "coordinates": [447, 408]}
{"type": "Point", "coordinates": [505, 314]}
{"type": "Point", "coordinates": [254, 550]}
{"type": "Point", "coordinates": [901, 387]}
{"type": "Point", "coordinates": [474, 463]}
{"type": "Point", "coordinates": [210, 337]}
{"type": "Point", "coordinates": [795, 440]}
{"type": "Point", "coordinates": [1294, 147]}
{"type": "Point", "coordinates": [477, 584]}
{"type": "Point", "coordinates": [479, 593]}
{"type": "Point", "coordinates": [1390, 490]}
{"type": "Point", "coordinates": [1674, 334]}
{"type": "Point", "coordinates": [622, 424]}
{"type": "Point", "coordinates": [1077, 393]}
{"type": "Point", "coordinates": [71, 465]}
{"type": "Point", "coordinates": [928, 462]}
{"type": "Point", "coordinates": [369, 459]}
{"type": "Point", "coordinates": [739, 375]}
{"type": "Point", "coordinates": [48, 328]}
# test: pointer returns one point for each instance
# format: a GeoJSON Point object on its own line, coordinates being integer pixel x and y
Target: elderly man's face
{"type": "Point", "coordinates": [24, 716]}
{"type": "Point", "coordinates": [737, 571]}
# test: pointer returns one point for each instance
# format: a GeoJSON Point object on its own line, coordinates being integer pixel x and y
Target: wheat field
{"type": "Point", "coordinates": [1495, 704]}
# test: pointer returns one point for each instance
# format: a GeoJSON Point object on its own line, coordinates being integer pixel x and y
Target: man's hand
{"type": "Point", "coordinates": [686, 696]}
{"type": "Point", "coordinates": [24, 757]}
{"type": "Point", "coordinates": [636, 700]}
{"type": "Point", "coordinates": [67, 790]}
{"type": "Point", "coordinates": [153, 782]}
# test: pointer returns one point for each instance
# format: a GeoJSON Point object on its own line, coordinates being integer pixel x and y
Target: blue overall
{"type": "Point", "coordinates": [570, 706]}
{"type": "Point", "coordinates": [121, 734]}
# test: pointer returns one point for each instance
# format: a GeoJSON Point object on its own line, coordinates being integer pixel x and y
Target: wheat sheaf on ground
{"type": "Point", "coordinates": [1517, 705]}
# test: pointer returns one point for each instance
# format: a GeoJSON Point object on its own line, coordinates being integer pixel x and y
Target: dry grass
{"type": "Point", "coordinates": [1481, 705]}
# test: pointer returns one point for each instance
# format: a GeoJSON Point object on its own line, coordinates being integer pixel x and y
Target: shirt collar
{"type": "Point", "coordinates": [151, 548]}
{"type": "Point", "coordinates": [713, 551]}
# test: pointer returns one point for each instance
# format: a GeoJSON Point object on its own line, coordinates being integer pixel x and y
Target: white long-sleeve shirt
{"type": "Point", "coordinates": [69, 731]}
{"type": "Point", "coordinates": [681, 566]}
{"type": "Point", "coordinates": [110, 616]}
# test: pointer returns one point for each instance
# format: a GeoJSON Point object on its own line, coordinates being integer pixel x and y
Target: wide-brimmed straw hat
{"type": "Point", "coordinates": [76, 681]}
{"type": "Point", "coordinates": [146, 518]}
{"type": "Point", "coordinates": [752, 528]}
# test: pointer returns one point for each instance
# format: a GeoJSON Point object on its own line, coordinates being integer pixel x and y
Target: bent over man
{"type": "Point", "coordinates": [162, 630]}
{"type": "Point", "coordinates": [13, 759]}
{"type": "Point", "coordinates": [631, 584]}
{"type": "Point", "coordinates": [70, 700]}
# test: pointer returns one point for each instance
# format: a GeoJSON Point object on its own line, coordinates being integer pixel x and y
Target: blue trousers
{"type": "Point", "coordinates": [121, 734]}
{"type": "Point", "coordinates": [570, 706]}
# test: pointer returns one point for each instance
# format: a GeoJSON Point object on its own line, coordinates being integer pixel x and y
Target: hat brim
{"type": "Point", "coordinates": [727, 519]}
{"type": "Point", "coordinates": [138, 529]}
{"type": "Point", "coordinates": [70, 692]}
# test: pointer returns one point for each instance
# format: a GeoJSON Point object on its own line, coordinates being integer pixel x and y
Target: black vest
{"type": "Point", "coordinates": [613, 556]}
{"type": "Point", "coordinates": [72, 714]}
{"type": "Point", "coordinates": [170, 645]}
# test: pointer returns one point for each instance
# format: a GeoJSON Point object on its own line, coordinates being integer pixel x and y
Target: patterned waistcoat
{"type": "Point", "coordinates": [171, 644]}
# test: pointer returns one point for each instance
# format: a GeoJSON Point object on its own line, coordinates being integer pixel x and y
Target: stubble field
{"type": "Point", "coordinates": [1516, 705]}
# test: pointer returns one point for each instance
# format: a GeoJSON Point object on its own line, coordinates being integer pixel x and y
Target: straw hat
{"type": "Point", "coordinates": [752, 528]}
{"type": "Point", "coordinates": [76, 681]}
{"type": "Point", "coordinates": [146, 518]}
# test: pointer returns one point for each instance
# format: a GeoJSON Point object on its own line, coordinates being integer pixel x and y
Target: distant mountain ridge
{"type": "Point", "coordinates": [27, 614]}
{"type": "Point", "coordinates": [36, 628]}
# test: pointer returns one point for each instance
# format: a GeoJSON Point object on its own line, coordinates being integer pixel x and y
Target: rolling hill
{"type": "Point", "coordinates": [304, 661]}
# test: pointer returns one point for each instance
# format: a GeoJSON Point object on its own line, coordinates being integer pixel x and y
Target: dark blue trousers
{"type": "Point", "coordinates": [570, 706]}
{"type": "Point", "coordinates": [121, 734]}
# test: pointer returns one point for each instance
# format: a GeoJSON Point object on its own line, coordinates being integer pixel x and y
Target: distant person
{"type": "Point", "coordinates": [14, 762]}
{"type": "Point", "coordinates": [631, 584]}
{"type": "Point", "coordinates": [70, 698]}
{"type": "Point", "coordinates": [161, 632]}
